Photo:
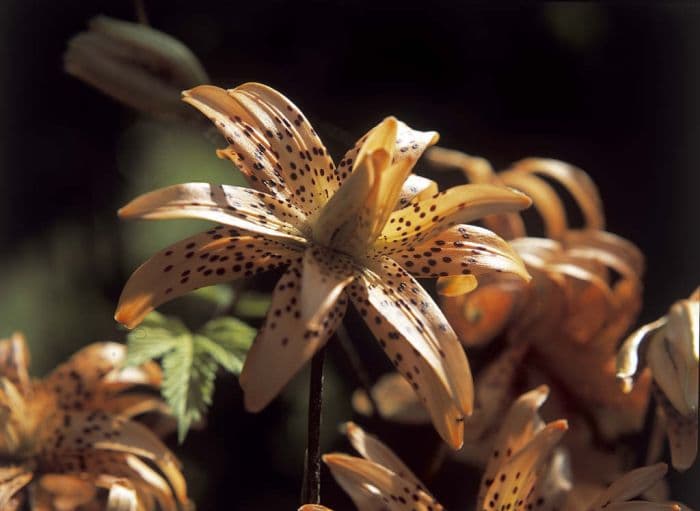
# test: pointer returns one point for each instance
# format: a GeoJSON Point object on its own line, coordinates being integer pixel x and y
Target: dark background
{"type": "Point", "coordinates": [611, 88]}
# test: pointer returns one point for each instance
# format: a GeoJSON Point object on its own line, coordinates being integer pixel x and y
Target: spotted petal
{"type": "Point", "coordinates": [307, 306]}
{"type": "Point", "coordinates": [270, 140]}
{"type": "Point", "coordinates": [420, 221]}
{"type": "Point", "coordinates": [372, 486]}
{"type": "Point", "coordinates": [242, 208]}
{"type": "Point", "coordinates": [514, 483]}
{"type": "Point", "coordinates": [356, 214]}
{"type": "Point", "coordinates": [462, 250]}
{"type": "Point", "coordinates": [419, 341]}
{"type": "Point", "coordinates": [78, 439]}
{"type": "Point", "coordinates": [416, 188]}
{"type": "Point", "coordinates": [409, 146]}
{"type": "Point", "coordinates": [215, 256]}
{"type": "Point", "coordinates": [95, 373]}
{"type": "Point", "coordinates": [372, 449]}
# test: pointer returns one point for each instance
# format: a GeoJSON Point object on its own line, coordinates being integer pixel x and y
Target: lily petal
{"type": "Point", "coordinates": [12, 480]}
{"type": "Point", "coordinates": [575, 180]}
{"type": "Point", "coordinates": [628, 357]}
{"type": "Point", "coordinates": [14, 361]}
{"type": "Point", "coordinates": [519, 427]}
{"type": "Point", "coordinates": [215, 256]}
{"type": "Point", "coordinates": [271, 141]}
{"type": "Point", "coordinates": [515, 479]}
{"type": "Point", "coordinates": [409, 145]}
{"type": "Point", "coordinates": [544, 199]}
{"type": "Point", "coordinates": [462, 250]}
{"type": "Point", "coordinates": [436, 369]}
{"type": "Point", "coordinates": [295, 327]}
{"type": "Point", "coordinates": [121, 498]}
{"type": "Point", "coordinates": [631, 484]}
{"type": "Point", "coordinates": [682, 432]}
{"type": "Point", "coordinates": [242, 208]}
{"type": "Point", "coordinates": [371, 448]}
{"type": "Point", "coordinates": [370, 484]}
{"type": "Point", "coordinates": [493, 391]}
{"type": "Point", "coordinates": [423, 220]}
{"type": "Point", "coordinates": [416, 188]}
{"type": "Point", "coordinates": [395, 398]}
{"type": "Point", "coordinates": [82, 381]}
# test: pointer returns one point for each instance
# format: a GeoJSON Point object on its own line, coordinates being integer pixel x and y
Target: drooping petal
{"type": "Point", "coordinates": [271, 141]}
{"type": "Point", "coordinates": [544, 199]}
{"type": "Point", "coordinates": [420, 221]}
{"type": "Point", "coordinates": [314, 507]}
{"type": "Point", "coordinates": [372, 486]}
{"type": "Point", "coordinates": [628, 357]}
{"type": "Point", "coordinates": [462, 250]}
{"type": "Point", "coordinates": [215, 256]}
{"type": "Point", "coordinates": [420, 343]}
{"type": "Point", "coordinates": [372, 449]}
{"type": "Point", "coordinates": [296, 325]}
{"type": "Point", "coordinates": [575, 180]}
{"type": "Point", "coordinates": [95, 372]}
{"type": "Point", "coordinates": [96, 442]}
{"type": "Point", "coordinates": [241, 208]}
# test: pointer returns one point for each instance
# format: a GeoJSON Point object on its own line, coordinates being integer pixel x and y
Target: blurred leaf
{"type": "Point", "coordinates": [219, 295]}
{"type": "Point", "coordinates": [252, 304]}
{"type": "Point", "coordinates": [190, 360]}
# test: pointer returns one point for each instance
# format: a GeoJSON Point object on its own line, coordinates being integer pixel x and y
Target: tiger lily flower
{"type": "Point", "coordinates": [526, 471]}
{"type": "Point", "coordinates": [341, 238]}
{"type": "Point", "coordinates": [64, 438]}
{"type": "Point", "coordinates": [669, 346]}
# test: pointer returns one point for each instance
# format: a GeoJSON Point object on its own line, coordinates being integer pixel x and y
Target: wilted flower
{"type": "Point", "coordinates": [526, 471]}
{"type": "Point", "coordinates": [68, 439]}
{"type": "Point", "coordinates": [135, 64]}
{"type": "Point", "coordinates": [669, 347]}
{"type": "Point", "coordinates": [339, 235]}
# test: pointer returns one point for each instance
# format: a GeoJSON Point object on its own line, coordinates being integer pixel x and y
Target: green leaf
{"type": "Point", "coordinates": [220, 295]}
{"type": "Point", "coordinates": [227, 340]}
{"type": "Point", "coordinates": [156, 336]}
{"type": "Point", "coordinates": [190, 360]}
{"type": "Point", "coordinates": [252, 304]}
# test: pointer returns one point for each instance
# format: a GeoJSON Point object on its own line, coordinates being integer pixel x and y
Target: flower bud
{"type": "Point", "coordinates": [135, 64]}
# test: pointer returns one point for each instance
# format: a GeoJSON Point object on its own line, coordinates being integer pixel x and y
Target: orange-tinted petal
{"type": "Point", "coordinates": [215, 256]}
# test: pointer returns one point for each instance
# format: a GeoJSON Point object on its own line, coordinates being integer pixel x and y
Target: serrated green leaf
{"type": "Point", "coordinates": [189, 360]}
{"type": "Point", "coordinates": [252, 304]}
{"type": "Point", "coordinates": [231, 333]}
{"type": "Point", "coordinates": [228, 360]}
{"type": "Point", "coordinates": [157, 335]}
